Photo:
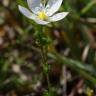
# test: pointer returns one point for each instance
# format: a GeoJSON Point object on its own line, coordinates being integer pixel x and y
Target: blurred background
{"type": "Point", "coordinates": [73, 67]}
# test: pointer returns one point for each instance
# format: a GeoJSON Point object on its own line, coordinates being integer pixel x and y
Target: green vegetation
{"type": "Point", "coordinates": [70, 58]}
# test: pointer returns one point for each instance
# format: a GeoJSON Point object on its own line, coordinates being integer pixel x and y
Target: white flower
{"type": "Point", "coordinates": [42, 12]}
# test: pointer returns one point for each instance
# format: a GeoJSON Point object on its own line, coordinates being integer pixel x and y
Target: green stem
{"type": "Point", "coordinates": [44, 51]}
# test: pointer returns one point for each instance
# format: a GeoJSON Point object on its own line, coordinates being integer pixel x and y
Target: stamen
{"type": "Point", "coordinates": [42, 15]}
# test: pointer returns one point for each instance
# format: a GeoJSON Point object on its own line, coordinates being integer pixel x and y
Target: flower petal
{"type": "Point", "coordinates": [38, 21]}
{"type": "Point", "coordinates": [58, 16]}
{"type": "Point", "coordinates": [26, 12]}
{"type": "Point", "coordinates": [54, 6]}
{"type": "Point", "coordinates": [34, 5]}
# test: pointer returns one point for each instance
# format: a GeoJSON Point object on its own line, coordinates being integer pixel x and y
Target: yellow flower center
{"type": "Point", "coordinates": [42, 15]}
